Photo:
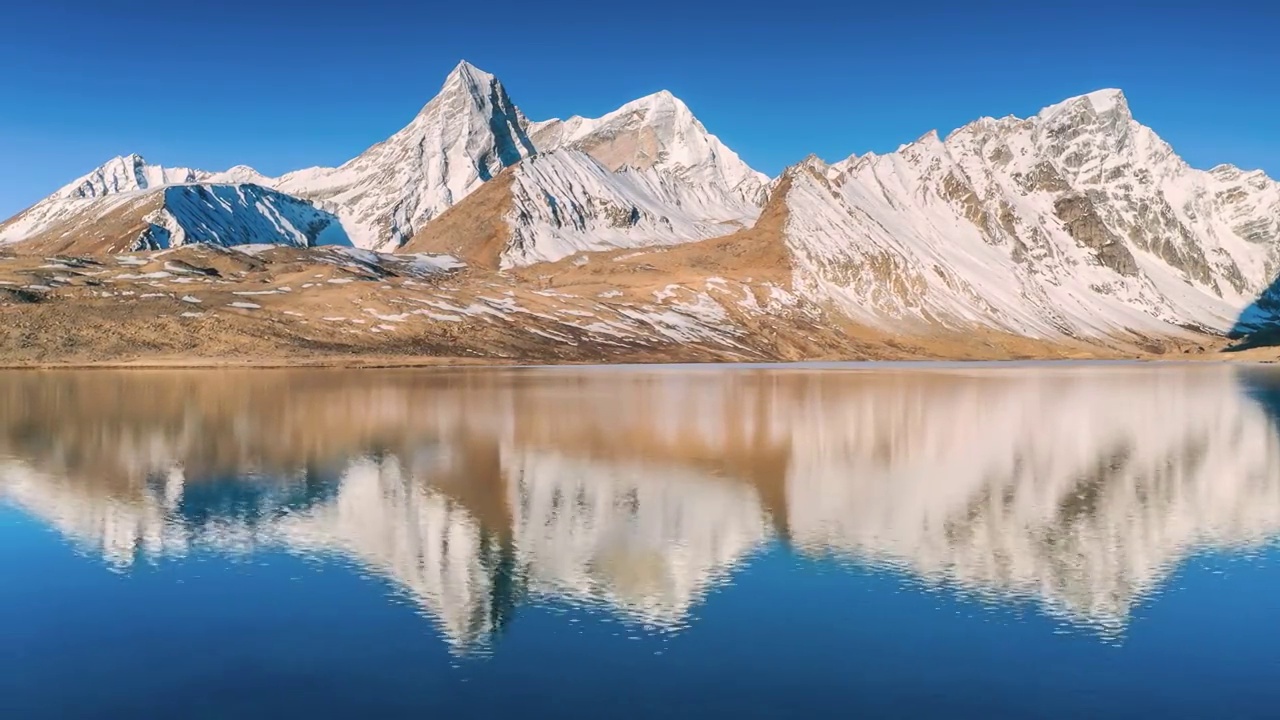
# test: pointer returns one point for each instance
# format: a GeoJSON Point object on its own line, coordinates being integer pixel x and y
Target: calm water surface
{"type": "Point", "coordinates": [1045, 541]}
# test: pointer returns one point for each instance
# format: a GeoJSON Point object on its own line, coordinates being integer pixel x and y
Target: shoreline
{"type": "Point", "coordinates": [450, 363]}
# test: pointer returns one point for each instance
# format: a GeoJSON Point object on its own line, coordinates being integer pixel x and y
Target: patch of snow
{"type": "Point", "coordinates": [438, 316]}
{"type": "Point", "coordinates": [667, 293]}
{"type": "Point", "coordinates": [550, 335]}
{"type": "Point", "coordinates": [158, 275]}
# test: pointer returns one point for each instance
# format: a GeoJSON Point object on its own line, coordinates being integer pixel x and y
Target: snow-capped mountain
{"type": "Point", "coordinates": [1079, 221]}
{"type": "Point", "coordinates": [119, 176]}
{"type": "Point", "coordinates": [469, 132]}
{"type": "Point", "coordinates": [463, 137]}
{"type": "Point", "coordinates": [556, 204]}
{"type": "Point", "coordinates": [238, 175]}
{"type": "Point", "coordinates": [130, 204]}
{"type": "Point", "coordinates": [658, 131]}
{"type": "Point", "coordinates": [172, 215]}
{"type": "Point", "coordinates": [127, 174]}
{"type": "Point", "coordinates": [240, 214]}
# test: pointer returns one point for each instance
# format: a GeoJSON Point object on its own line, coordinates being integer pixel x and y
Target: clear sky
{"type": "Point", "coordinates": [284, 84]}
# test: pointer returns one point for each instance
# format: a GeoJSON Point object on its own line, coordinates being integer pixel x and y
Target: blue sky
{"type": "Point", "coordinates": [283, 84]}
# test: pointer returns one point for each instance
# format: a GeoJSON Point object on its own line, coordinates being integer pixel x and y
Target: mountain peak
{"type": "Point", "coordinates": [813, 162]}
{"type": "Point", "coordinates": [468, 74]}
{"type": "Point", "coordinates": [1109, 102]}
{"type": "Point", "coordinates": [125, 173]}
{"type": "Point", "coordinates": [126, 163]}
{"type": "Point", "coordinates": [462, 137]}
{"type": "Point", "coordinates": [467, 80]}
{"type": "Point", "coordinates": [240, 174]}
{"type": "Point", "coordinates": [1105, 100]}
{"type": "Point", "coordinates": [655, 131]}
{"type": "Point", "coordinates": [660, 102]}
{"type": "Point", "coordinates": [662, 97]}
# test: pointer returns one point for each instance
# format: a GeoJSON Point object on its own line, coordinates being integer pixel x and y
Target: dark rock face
{"type": "Point", "coordinates": [1044, 177]}
{"type": "Point", "coordinates": [1084, 224]}
{"type": "Point", "coordinates": [20, 296]}
{"type": "Point", "coordinates": [620, 217]}
{"type": "Point", "coordinates": [1161, 233]}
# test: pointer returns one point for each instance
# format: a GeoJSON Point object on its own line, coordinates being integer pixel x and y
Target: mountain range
{"type": "Point", "coordinates": [1074, 231]}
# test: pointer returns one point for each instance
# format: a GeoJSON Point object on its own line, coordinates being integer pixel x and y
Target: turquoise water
{"type": "Point", "coordinates": [1022, 542]}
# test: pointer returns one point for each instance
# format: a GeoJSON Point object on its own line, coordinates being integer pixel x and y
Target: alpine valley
{"type": "Point", "coordinates": [477, 234]}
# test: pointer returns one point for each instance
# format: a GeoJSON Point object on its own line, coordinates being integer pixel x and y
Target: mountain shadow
{"type": "Point", "coordinates": [1262, 385]}
{"type": "Point", "coordinates": [1258, 325]}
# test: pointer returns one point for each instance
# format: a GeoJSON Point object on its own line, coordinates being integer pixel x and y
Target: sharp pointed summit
{"type": "Point", "coordinates": [471, 130]}
{"type": "Point", "coordinates": [475, 86]}
{"type": "Point", "coordinates": [464, 136]}
{"type": "Point", "coordinates": [465, 72]}
{"type": "Point", "coordinates": [661, 99]}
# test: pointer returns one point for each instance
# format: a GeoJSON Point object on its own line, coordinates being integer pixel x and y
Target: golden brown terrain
{"type": "Point", "coordinates": [726, 299]}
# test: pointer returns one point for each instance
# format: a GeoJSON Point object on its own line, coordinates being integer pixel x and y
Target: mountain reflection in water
{"type": "Point", "coordinates": [477, 492]}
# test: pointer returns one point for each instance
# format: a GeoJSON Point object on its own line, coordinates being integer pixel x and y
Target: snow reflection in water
{"type": "Point", "coordinates": [1079, 489]}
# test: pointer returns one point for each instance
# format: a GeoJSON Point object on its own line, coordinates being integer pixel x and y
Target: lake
{"type": "Point", "coordinates": [1043, 540]}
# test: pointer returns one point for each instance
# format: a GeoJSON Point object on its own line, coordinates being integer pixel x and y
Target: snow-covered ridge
{"type": "Point", "coordinates": [160, 216]}
{"type": "Point", "coordinates": [471, 131]}
{"type": "Point", "coordinates": [656, 131]}
{"type": "Point", "coordinates": [240, 174]}
{"type": "Point", "coordinates": [239, 215]}
{"type": "Point", "coordinates": [1102, 102]}
{"type": "Point", "coordinates": [1078, 221]}
{"type": "Point", "coordinates": [461, 138]}
{"type": "Point", "coordinates": [127, 174]}
{"type": "Point", "coordinates": [565, 201]}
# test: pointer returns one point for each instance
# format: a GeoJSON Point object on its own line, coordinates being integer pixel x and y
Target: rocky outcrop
{"type": "Point", "coordinates": [1080, 217]}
